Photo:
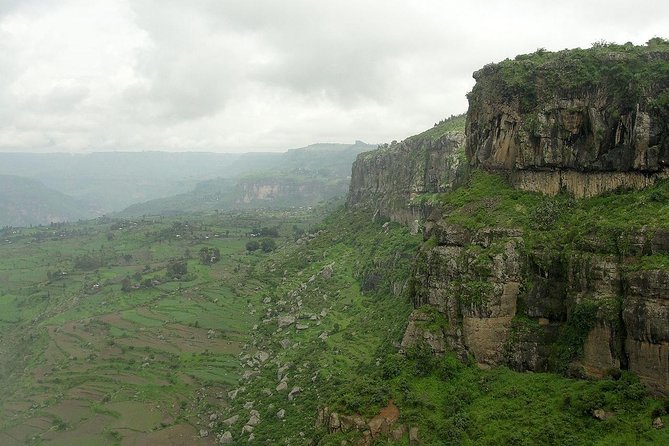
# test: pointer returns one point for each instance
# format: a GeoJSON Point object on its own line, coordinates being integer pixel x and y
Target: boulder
{"type": "Point", "coordinates": [232, 420]}
{"type": "Point", "coordinates": [286, 321]}
{"type": "Point", "coordinates": [294, 392]}
{"type": "Point", "coordinates": [657, 423]}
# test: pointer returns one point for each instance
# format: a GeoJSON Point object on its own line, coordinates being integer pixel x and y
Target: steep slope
{"type": "Point", "coordinates": [26, 202]}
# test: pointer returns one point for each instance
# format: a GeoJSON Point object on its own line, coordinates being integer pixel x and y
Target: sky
{"type": "Point", "coordinates": [268, 75]}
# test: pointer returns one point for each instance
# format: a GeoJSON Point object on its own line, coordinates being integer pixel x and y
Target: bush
{"type": "Point", "coordinates": [252, 245]}
{"type": "Point", "coordinates": [268, 245]}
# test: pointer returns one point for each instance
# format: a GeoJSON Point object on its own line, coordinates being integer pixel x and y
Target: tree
{"type": "Point", "coordinates": [252, 245]}
{"type": "Point", "coordinates": [268, 245]}
{"type": "Point", "coordinates": [176, 269]}
{"type": "Point", "coordinates": [209, 256]}
{"type": "Point", "coordinates": [126, 284]}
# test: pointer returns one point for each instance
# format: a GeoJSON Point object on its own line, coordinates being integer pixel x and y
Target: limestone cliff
{"type": "Point", "coordinates": [587, 121]}
{"type": "Point", "coordinates": [516, 279]}
{"type": "Point", "coordinates": [387, 180]}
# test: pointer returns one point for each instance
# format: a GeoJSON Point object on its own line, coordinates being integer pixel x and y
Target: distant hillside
{"type": "Point", "coordinates": [115, 180]}
{"type": "Point", "coordinates": [25, 202]}
{"type": "Point", "coordinates": [299, 177]}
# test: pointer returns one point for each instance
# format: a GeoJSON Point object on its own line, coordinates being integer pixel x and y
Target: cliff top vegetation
{"type": "Point", "coordinates": [630, 71]}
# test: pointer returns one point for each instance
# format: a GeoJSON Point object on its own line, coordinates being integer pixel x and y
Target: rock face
{"type": "Point", "coordinates": [387, 180]}
{"type": "Point", "coordinates": [300, 191]}
{"type": "Point", "coordinates": [505, 304]}
{"type": "Point", "coordinates": [588, 121]}
{"type": "Point", "coordinates": [573, 120]}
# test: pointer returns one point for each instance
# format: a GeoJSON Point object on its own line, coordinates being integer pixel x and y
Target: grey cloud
{"type": "Point", "coordinates": [237, 75]}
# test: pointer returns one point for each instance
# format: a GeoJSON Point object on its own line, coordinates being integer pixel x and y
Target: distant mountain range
{"type": "Point", "coordinates": [41, 188]}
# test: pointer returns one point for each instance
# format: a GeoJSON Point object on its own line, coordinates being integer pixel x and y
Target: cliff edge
{"type": "Point", "coordinates": [588, 121]}
{"type": "Point", "coordinates": [393, 180]}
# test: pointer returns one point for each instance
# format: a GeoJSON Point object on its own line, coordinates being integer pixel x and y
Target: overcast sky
{"type": "Point", "coordinates": [226, 76]}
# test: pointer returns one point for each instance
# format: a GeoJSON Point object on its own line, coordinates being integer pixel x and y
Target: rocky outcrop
{"type": "Point", "coordinates": [384, 425]}
{"type": "Point", "coordinates": [646, 318]}
{"type": "Point", "coordinates": [390, 181]}
{"type": "Point", "coordinates": [587, 121]}
{"type": "Point", "coordinates": [474, 280]}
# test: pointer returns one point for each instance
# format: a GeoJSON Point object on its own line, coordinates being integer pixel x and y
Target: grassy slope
{"type": "Point", "coordinates": [357, 369]}
{"type": "Point", "coordinates": [561, 223]}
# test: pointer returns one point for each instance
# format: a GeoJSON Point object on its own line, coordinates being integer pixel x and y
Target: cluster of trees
{"type": "Point", "coordinates": [177, 269]}
{"type": "Point", "coordinates": [266, 244]}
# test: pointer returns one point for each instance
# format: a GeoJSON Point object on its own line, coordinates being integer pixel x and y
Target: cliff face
{"type": "Point", "coordinates": [587, 121]}
{"type": "Point", "coordinates": [595, 300]}
{"type": "Point", "coordinates": [533, 309]}
{"type": "Point", "coordinates": [386, 181]}
{"type": "Point", "coordinates": [281, 191]}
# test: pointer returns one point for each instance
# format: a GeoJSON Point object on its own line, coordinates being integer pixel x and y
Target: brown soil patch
{"type": "Point", "coordinates": [8, 440]}
{"type": "Point", "coordinates": [135, 416]}
{"type": "Point", "coordinates": [28, 429]}
{"type": "Point", "coordinates": [116, 320]}
{"type": "Point", "coordinates": [85, 433]}
{"type": "Point", "coordinates": [71, 411]}
{"type": "Point", "coordinates": [391, 412]}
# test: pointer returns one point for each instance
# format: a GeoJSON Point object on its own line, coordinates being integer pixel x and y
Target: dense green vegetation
{"type": "Point", "coordinates": [356, 369]}
{"type": "Point", "coordinates": [629, 72]}
{"type": "Point", "coordinates": [454, 123]}
{"type": "Point", "coordinates": [607, 223]}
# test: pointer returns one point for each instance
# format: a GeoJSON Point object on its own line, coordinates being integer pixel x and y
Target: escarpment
{"type": "Point", "coordinates": [389, 180]}
{"type": "Point", "coordinates": [518, 272]}
{"type": "Point", "coordinates": [588, 121]}
{"type": "Point", "coordinates": [283, 190]}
